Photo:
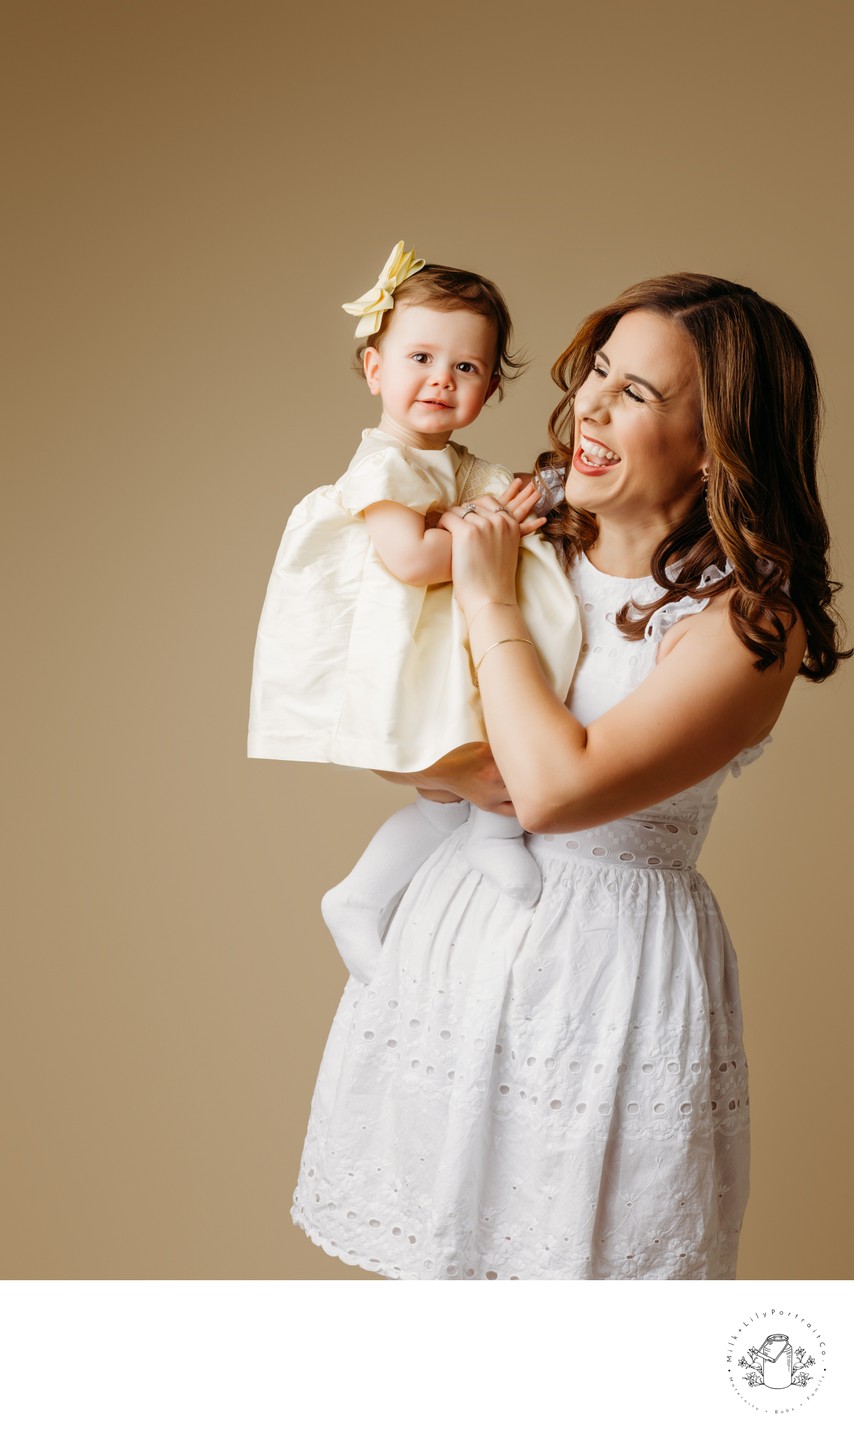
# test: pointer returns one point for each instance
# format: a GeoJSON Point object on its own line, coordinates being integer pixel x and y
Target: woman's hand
{"type": "Point", "coordinates": [486, 535]}
{"type": "Point", "coordinates": [469, 771]}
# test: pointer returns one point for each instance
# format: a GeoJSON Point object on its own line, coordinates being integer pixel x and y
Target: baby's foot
{"type": "Point", "coordinates": [507, 863]}
{"type": "Point", "coordinates": [355, 928]}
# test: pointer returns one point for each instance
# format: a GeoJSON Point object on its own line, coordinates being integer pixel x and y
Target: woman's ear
{"type": "Point", "coordinates": [372, 364]}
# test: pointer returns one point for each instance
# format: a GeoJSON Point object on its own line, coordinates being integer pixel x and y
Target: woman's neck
{"type": "Point", "coordinates": [626, 553]}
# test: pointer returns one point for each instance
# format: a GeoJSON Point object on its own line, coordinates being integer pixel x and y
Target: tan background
{"type": "Point", "coordinates": [194, 189]}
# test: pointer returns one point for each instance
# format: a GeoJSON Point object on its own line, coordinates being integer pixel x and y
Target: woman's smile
{"type": "Point", "coordinates": [592, 457]}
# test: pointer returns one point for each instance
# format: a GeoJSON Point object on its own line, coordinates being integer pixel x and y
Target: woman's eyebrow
{"type": "Point", "coordinates": [635, 378]}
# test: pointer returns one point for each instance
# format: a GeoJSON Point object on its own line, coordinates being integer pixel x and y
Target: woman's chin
{"type": "Point", "coordinates": [584, 493]}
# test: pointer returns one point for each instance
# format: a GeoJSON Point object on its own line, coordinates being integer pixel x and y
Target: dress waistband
{"type": "Point", "coordinates": [627, 843]}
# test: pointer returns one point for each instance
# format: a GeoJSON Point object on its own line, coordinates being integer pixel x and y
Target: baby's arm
{"type": "Point", "coordinates": [412, 552]}
{"type": "Point", "coordinates": [417, 554]}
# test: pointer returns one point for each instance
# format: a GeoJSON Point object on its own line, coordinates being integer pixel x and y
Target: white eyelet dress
{"type": "Point", "coordinates": [549, 1093]}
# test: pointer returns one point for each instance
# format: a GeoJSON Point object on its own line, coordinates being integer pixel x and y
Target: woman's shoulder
{"type": "Point", "coordinates": [715, 620]}
{"type": "Point", "coordinates": [708, 609]}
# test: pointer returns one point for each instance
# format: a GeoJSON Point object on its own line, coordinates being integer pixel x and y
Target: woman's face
{"type": "Point", "coordinates": [638, 453]}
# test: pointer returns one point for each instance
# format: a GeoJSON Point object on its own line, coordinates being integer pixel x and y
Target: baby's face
{"type": "Point", "coordinates": [433, 370]}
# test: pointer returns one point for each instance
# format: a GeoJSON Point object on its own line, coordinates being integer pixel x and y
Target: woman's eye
{"type": "Point", "coordinates": [638, 398]}
{"type": "Point", "coordinates": [603, 373]}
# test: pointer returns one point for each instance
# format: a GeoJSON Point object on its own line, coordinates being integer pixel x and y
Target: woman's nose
{"type": "Point", "coordinates": [591, 401]}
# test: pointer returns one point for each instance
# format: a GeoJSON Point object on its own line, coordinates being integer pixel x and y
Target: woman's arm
{"type": "Point", "coordinates": [702, 704]}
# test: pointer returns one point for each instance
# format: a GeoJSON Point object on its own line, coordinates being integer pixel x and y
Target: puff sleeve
{"type": "Point", "coordinates": [396, 475]}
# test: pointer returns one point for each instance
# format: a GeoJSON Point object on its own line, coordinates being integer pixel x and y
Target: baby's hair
{"type": "Point", "coordinates": [441, 288]}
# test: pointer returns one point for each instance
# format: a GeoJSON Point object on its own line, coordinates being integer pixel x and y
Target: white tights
{"type": "Point", "coordinates": [354, 910]}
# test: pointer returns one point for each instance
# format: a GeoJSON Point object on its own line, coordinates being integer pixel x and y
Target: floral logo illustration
{"type": "Point", "coordinates": [776, 1359]}
{"type": "Point", "coordinates": [774, 1364]}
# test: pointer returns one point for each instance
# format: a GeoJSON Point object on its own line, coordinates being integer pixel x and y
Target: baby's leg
{"type": "Point", "coordinates": [352, 911]}
{"type": "Point", "coordinates": [495, 847]}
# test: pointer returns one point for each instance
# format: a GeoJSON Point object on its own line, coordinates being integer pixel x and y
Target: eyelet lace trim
{"type": "Point", "coordinates": [670, 614]}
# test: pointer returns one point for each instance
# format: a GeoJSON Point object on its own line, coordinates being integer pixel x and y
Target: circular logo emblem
{"type": "Point", "coordinates": [776, 1360]}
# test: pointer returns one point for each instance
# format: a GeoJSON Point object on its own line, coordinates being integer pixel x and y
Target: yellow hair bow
{"type": "Point", "coordinates": [372, 306]}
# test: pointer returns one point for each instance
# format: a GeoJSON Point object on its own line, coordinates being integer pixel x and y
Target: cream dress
{"type": "Point", "coordinates": [354, 667]}
{"type": "Point", "coordinates": [550, 1093]}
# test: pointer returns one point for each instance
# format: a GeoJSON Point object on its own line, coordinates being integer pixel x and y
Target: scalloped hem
{"type": "Point", "coordinates": [333, 1250]}
{"type": "Point", "coordinates": [382, 1270]}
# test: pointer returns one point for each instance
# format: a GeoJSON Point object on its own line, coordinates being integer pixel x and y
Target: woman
{"type": "Point", "coordinates": [563, 1093]}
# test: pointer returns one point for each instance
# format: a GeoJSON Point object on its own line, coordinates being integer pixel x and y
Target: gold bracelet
{"type": "Point", "coordinates": [502, 603]}
{"type": "Point", "coordinates": [496, 645]}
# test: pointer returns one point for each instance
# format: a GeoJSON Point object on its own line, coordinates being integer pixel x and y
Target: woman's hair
{"type": "Point", "coordinates": [761, 415]}
{"type": "Point", "coordinates": [441, 288]}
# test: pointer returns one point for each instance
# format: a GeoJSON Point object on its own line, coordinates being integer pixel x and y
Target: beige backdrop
{"type": "Point", "coordinates": [194, 189]}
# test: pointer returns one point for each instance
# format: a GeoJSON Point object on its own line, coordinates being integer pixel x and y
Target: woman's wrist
{"type": "Point", "coordinates": [471, 611]}
{"type": "Point", "coordinates": [495, 621]}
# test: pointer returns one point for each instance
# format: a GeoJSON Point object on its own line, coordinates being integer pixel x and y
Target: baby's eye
{"type": "Point", "coordinates": [468, 368]}
{"type": "Point", "coordinates": [420, 357]}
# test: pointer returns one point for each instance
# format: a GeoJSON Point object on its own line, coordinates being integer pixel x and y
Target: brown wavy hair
{"type": "Point", "coordinates": [761, 413]}
{"type": "Point", "coordinates": [439, 287]}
